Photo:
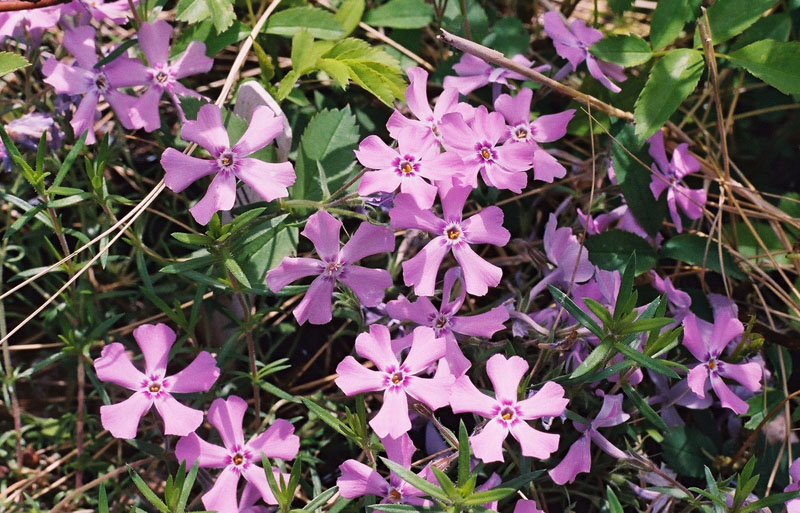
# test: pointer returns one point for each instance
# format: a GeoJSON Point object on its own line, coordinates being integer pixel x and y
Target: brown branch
{"type": "Point", "coordinates": [17, 5]}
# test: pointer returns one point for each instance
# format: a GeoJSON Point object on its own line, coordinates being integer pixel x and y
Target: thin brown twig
{"type": "Point", "coordinates": [17, 5]}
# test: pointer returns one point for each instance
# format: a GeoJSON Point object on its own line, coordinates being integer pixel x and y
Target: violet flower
{"type": "Point", "coordinates": [82, 77]}
{"type": "Point", "coordinates": [229, 161]}
{"type": "Point", "coordinates": [573, 44]}
{"type": "Point", "coordinates": [793, 506]}
{"type": "Point", "coordinates": [526, 506]}
{"type": "Point", "coordinates": [478, 145]}
{"type": "Point", "coordinates": [162, 76]}
{"type": "Point", "coordinates": [34, 22]}
{"type": "Point", "coordinates": [334, 265]}
{"type": "Point", "coordinates": [517, 113]}
{"type": "Point", "coordinates": [358, 479]}
{"type": "Point", "coordinates": [579, 458]}
{"type": "Point", "coordinates": [706, 342]}
{"type": "Point", "coordinates": [678, 301]}
{"type": "Point", "coordinates": [153, 387]}
{"type": "Point", "coordinates": [406, 167]}
{"type": "Point", "coordinates": [507, 414]}
{"type": "Point", "coordinates": [451, 233]}
{"type": "Point", "coordinates": [116, 11]}
{"type": "Point", "coordinates": [667, 175]}
{"type": "Point", "coordinates": [570, 258]}
{"type": "Point", "coordinates": [26, 131]}
{"type": "Point", "coordinates": [670, 396]}
{"type": "Point", "coordinates": [237, 458]}
{"type": "Point", "coordinates": [397, 380]}
{"type": "Point", "coordinates": [446, 323]}
{"type": "Point", "coordinates": [474, 72]}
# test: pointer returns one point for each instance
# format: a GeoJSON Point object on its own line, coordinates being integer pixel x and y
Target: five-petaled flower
{"type": "Point", "coordinates": [474, 72]}
{"type": "Point", "coordinates": [335, 264]}
{"type": "Point", "coordinates": [237, 458]}
{"type": "Point", "coordinates": [153, 387]}
{"type": "Point", "coordinates": [506, 413]}
{"type": "Point", "coordinates": [229, 161]}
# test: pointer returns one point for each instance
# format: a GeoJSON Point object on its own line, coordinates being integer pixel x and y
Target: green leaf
{"type": "Point", "coordinates": [192, 11]}
{"type": "Point", "coordinates": [145, 490]}
{"type": "Point", "coordinates": [329, 419]}
{"type": "Point", "coordinates": [319, 23]}
{"type": "Point", "coordinates": [729, 18]}
{"type": "Point", "coordinates": [302, 51]}
{"type": "Point", "coordinates": [370, 68]}
{"type": "Point", "coordinates": [402, 14]}
{"type": "Point", "coordinates": [236, 271]}
{"type": "Point", "coordinates": [509, 36]}
{"type": "Point", "coordinates": [264, 245]}
{"type": "Point", "coordinates": [221, 13]}
{"type": "Point", "coordinates": [774, 62]}
{"type": "Point", "coordinates": [414, 480]}
{"type": "Point", "coordinates": [495, 494]}
{"type": "Point", "coordinates": [10, 62]}
{"type": "Point", "coordinates": [668, 20]}
{"type": "Point", "coordinates": [102, 499]}
{"type": "Point", "coordinates": [645, 361]}
{"type": "Point", "coordinates": [684, 448]}
{"type": "Point", "coordinates": [574, 310]}
{"type": "Point", "coordinates": [594, 359]}
{"type": "Point", "coordinates": [186, 487]}
{"type": "Point", "coordinates": [610, 250]}
{"type": "Point", "coordinates": [612, 502]}
{"type": "Point", "coordinates": [69, 160]}
{"type": "Point", "coordinates": [772, 500]}
{"type": "Point", "coordinates": [321, 499]}
{"type": "Point", "coordinates": [620, 6]}
{"type": "Point", "coordinates": [349, 15]}
{"type": "Point", "coordinates": [206, 33]}
{"type": "Point", "coordinates": [692, 250]}
{"type": "Point", "coordinates": [123, 48]}
{"type": "Point", "coordinates": [463, 454]}
{"type": "Point", "coordinates": [625, 287]}
{"type": "Point", "coordinates": [776, 26]}
{"type": "Point", "coordinates": [445, 482]}
{"type": "Point", "coordinates": [626, 51]}
{"type": "Point", "coordinates": [645, 409]}
{"type": "Point", "coordinates": [600, 311]}
{"type": "Point", "coordinates": [673, 78]}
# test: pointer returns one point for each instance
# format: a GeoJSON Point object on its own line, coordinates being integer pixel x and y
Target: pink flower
{"type": "Point", "coordinates": [506, 413]}
{"type": "Point", "coordinates": [474, 72]}
{"type": "Point", "coordinates": [335, 265]}
{"type": "Point", "coordinates": [573, 44]}
{"type": "Point", "coordinates": [82, 78]}
{"type": "Point", "coordinates": [570, 258]}
{"type": "Point", "coordinates": [707, 342]}
{"type": "Point", "coordinates": [793, 506]}
{"type": "Point", "coordinates": [229, 161]}
{"type": "Point", "coordinates": [678, 300]}
{"type": "Point", "coordinates": [162, 76]}
{"type": "Point", "coordinates": [502, 166]}
{"type": "Point", "coordinates": [153, 386]}
{"type": "Point", "coordinates": [667, 175]}
{"type": "Point", "coordinates": [446, 323]}
{"type": "Point", "coordinates": [237, 458]}
{"type": "Point", "coordinates": [358, 479]}
{"type": "Point", "coordinates": [517, 113]}
{"type": "Point", "coordinates": [397, 380]}
{"type": "Point", "coordinates": [407, 167]}
{"type": "Point", "coordinates": [578, 458]}
{"type": "Point", "coordinates": [451, 233]}
{"type": "Point", "coordinates": [526, 506]}
{"type": "Point", "coordinates": [31, 22]}
{"type": "Point", "coordinates": [116, 11]}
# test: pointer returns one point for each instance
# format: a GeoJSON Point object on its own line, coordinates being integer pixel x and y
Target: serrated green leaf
{"type": "Point", "coordinates": [319, 23]}
{"type": "Point", "coordinates": [349, 15]}
{"type": "Point", "coordinates": [221, 13]}
{"type": "Point", "coordinates": [10, 62]}
{"type": "Point", "coordinates": [630, 50]}
{"type": "Point", "coordinates": [668, 20]}
{"type": "Point", "coordinates": [610, 250]}
{"type": "Point", "coordinates": [776, 26]}
{"type": "Point", "coordinates": [729, 18]}
{"type": "Point", "coordinates": [774, 62]}
{"type": "Point", "coordinates": [192, 11]}
{"type": "Point", "coordinates": [673, 78]}
{"type": "Point", "coordinates": [338, 71]}
{"type": "Point", "coordinates": [302, 51]}
{"type": "Point", "coordinates": [402, 14]}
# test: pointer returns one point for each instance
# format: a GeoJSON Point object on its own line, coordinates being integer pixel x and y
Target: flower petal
{"type": "Point", "coordinates": [479, 274]}
{"type": "Point", "coordinates": [407, 214]}
{"type": "Point", "coordinates": [727, 398]}
{"type": "Point", "coordinates": [315, 307]}
{"type": "Point", "coordinates": [392, 419]}
{"type": "Point", "coordinates": [154, 41]}
{"type": "Point", "coordinates": [227, 415]}
{"type": "Point", "coordinates": [376, 347]}
{"type": "Point", "coordinates": [292, 269]}
{"type": "Point", "coordinates": [747, 374]}
{"type": "Point", "coordinates": [551, 127]}
{"type": "Point", "coordinates": [488, 444]}
{"type": "Point", "coordinates": [506, 375]}
{"type": "Point", "coordinates": [373, 153]}
{"type": "Point", "coordinates": [322, 229]}
{"type": "Point", "coordinates": [278, 441]}
{"type": "Point", "coordinates": [198, 376]}
{"type": "Point", "coordinates": [611, 413]}
{"type": "Point", "coordinates": [144, 112]}
{"type": "Point", "coordinates": [80, 43]}
{"type": "Point", "coordinates": [486, 227]}
{"type": "Point", "coordinates": [270, 180]}
{"type": "Point", "coordinates": [369, 239]}
{"type": "Point", "coordinates": [193, 61]}
{"type": "Point", "coordinates": [222, 496]}
{"type": "Point", "coordinates": [577, 461]}
{"type": "Point", "coordinates": [693, 339]}
{"type": "Point", "coordinates": [178, 419]}
{"type": "Point", "coordinates": [417, 94]}
{"type": "Point", "coordinates": [481, 325]}
{"type": "Point", "coordinates": [221, 195]}
{"type": "Point", "coordinates": [358, 479]}
{"type": "Point", "coordinates": [420, 312]}
{"type": "Point", "coordinates": [465, 397]}
{"type": "Point", "coordinates": [426, 348]}
{"type": "Point", "coordinates": [155, 341]}
{"type": "Point", "coordinates": [114, 366]}
{"type": "Point", "coordinates": [353, 378]}
{"type": "Point", "coordinates": [182, 170]}
{"type": "Point", "coordinates": [545, 167]}
{"type": "Point", "coordinates": [515, 109]}
{"type": "Point", "coordinates": [263, 128]}
{"type": "Point", "coordinates": [421, 270]}
{"type": "Point", "coordinates": [207, 130]}
{"type": "Point", "coordinates": [83, 119]}
{"type": "Point", "coordinates": [549, 401]}
{"type": "Point", "coordinates": [534, 443]}
{"type": "Point", "coordinates": [726, 328]}
{"type": "Point", "coordinates": [66, 79]}
{"type": "Point", "coordinates": [434, 392]}
{"type": "Point", "coordinates": [696, 379]}
{"type": "Point", "coordinates": [192, 448]}
{"type": "Point", "coordinates": [369, 285]}
{"type": "Point", "coordinates": [122, 419]}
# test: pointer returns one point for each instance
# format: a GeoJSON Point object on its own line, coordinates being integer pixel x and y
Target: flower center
{"type": "Point", "coordinates": [521, 133]}
{"type": "Point", "coordinates": [332, 269]}
{"type": "Point", "coordinates": [226, 160]}
{"type": "Point", "coordinates": [238, 459]}
{"type": "Point", "coordinates": [161, 77]}
{"type": "Point", "coordinates": [154, 388]}
{"type": "Point", "coordinates": [397, 377]}
{"type": "Point", "coordinates": [395, 496]}
{"type": "Point", "coordinates": [507, 413]}
{"type": "Point", "coordinates": [441, 322]}
{"type": "Point", "coordinates": [435, 130]}
{"type": "Point", "coordinates": [453, 233]}
{"type": "Point", "coordinates": [485, 154]}
{"type": "Point", "coordinates": [713, 365]}
{"type": "Point", "coordinates": [101, 82]}
{"type": "Point", "coordinates": [406, 169]}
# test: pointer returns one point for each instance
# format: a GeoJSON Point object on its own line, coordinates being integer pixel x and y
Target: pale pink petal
{"type": "Point", "coordinates": [534, 443]}
{"type": "Point", "coordinates": [114, 366]}
{"type": "Point", "coordinates": [369, 239]}
{"type": "Point", "coordinates": [488, 126]}
{"type": "Point", "coordinates": [747, 374]}
{"type": "Point", "coordinates": [383, 180]}
{"type": "Point", "coordinates": [683, 162]}
{"type": "Point", "coordinates": [193, 61]}
{"type": "Point", "coordinates": [144, 113]}
{"type": "Point", "coordinates": [691, 201]}
{"type": "Point", "coordinates": [322, 229]}
{"type": "Point", "coordinates": [434, 392]}
{"type": "Point", "coordinates": [178, 419]}
{"type": "Point", "coordinates": [479, 274]}
{"type": "Point", "coordinates": [611, 413]}
{"type": "Point", "coordinates": [125, 71]}
{"type": "Point", "coordinates": [446, 102]}
{"type": "Point", "coordinates": [407, 214]}
{"type": "Point", "coordinates": [198, 376]}
{"type": "Point", "coordinates": [577, 461]}
{"type": "Point", "coordinates": [454, 364]}
{"type": "Point", "coordinates": [597, 72]}
{"type": "Point", "coordinates": [488, 444]}
{"type": "Point", "coordinates": [423, 192]}
{"type": "Point", "coordinates": [227, 416]}
{"type": "Point", "coordinates": [607, 447]}
{"type": "Point", "coordinates": [221, 195]}
{"type": "Point", "coordinates": [486, 227]}
{"type": "Point", "coordinates": [697, 380]}
{"type": "Point", "coordinates": [556, 30]}
{"type": "Point", "coordinates": [263, 128]}
{"type": "Point", "coordinates": [515, 110]}
{"type": "Point", "coordinates": [481, 325]}
{"type": "Point", "coordinates": [500, 178]}
{"type": "Point", "coordinates": [526, 506]}
{"type": "Point", "coordinates": [376, 347]}
{"type": "Point", "coordinates": [207, 130]}
{"type": "Point", "coordinates": [726, 328]}
{"type": "Point", "coordinates": [657, 151]}
{"type": "Point", "coordinates": [315, 307]}
{"type": "Point", "coordinates": [400, 449]}
{"type": "Point", "coordinates": [270, 180]}
{"type": "Point", "coordinates": [693, 339]}
{"type": "Point", "coordinates": [122, 419]}
{"type": "Point", "coordinates": [549, 401]}
{"type": "Point", "coordinates": [515, 156]}
{"type": "Point", "coordinates": [456, 134]}
{"type": "Point", "coordinates": [83, 119]}
{"type": "Point", "coordinates": [182, 170]}
{"type": "Point", "coordinates": [369, 285]}
{"type": "Point", "coordinates": [465, 84]}
{"type": "Point", "coordinates": [585, 34]}
{"type": "Point", "coordinates": [421, 270]}
{"type": "Point", "coordinates": [66, 79]}
{"type": "Point", "coordinates": [292, 269]}
{"type": "Point", "coordinates": [122, 105]}
{"type": "Point", "coordinates": [192, 448]}
{"type": "Point", "coordinates": [575, 56]}
{"type": "Point", "coordinates": [506, 375]}
{"type": "Point", "coordinates": [726, 396]}
{"type": "Point", "coordinates": [453, 198]}
{"type": "Point", "coordinates": [420, 311]}
{"type": "Point", "coordinates": [354, 378]}
{"type": "Point", "coordinates": [373, 153]}
{"type": "Point", "coordinates": [392, 419]}
{"type": "Point", "coordinates": [278, 441]}
{"type": "Point", "coordinates": [155, 341]}
{"type": "Point", "coordinates": [222, 496]}
{"type": "Point", "coordinates": [442, 167]}
{"type": "Point", "coordinates": [358, 479]}
{"type": "Point", "coordinates": [154, 41]}
{"type": "Point", "coordinates": [80, 43]}
{"type": "Point", "coordinates": [426, 348]}
{"type": "Point", "coordinates": [257, 479]}
{"type": "Point", "coordinates": [417, 95]}
{"type": "Point", "coordinates": [465, 397]}
{"type": "Point", "coordinates": [545, 167]}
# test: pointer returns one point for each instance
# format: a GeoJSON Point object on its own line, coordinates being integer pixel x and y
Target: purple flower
{"type": "Point", "coordinates": [706, 342]}
{"type": "Point", "coordinates": [526, 506]}
{"type": "Point", "coordinates": [153, 386]}
{"type": "Point", "coordinates": [238, 458]}
{"type": "Point", "coordinates": [407, 167]}
{"type": "Point", "coordinates": [568, 255]}
{"type": "Point", "coordinates": [474, 72]}
{"type": "Point", "coordinates": [162, 76]}
{"type": "Point", "coordinates": [517, 113]}
{"type": "Point", "coordinates": [229, 161]}
{"type": "Point", "coordinates": [334, 265]}
{"type": "Point", "coordinates": [116, 11]}
{"type": "Point", "coordinates": [26, 131]}
{"type": "Point", "coordinates": [677, 300]}
{"type": "Point", "coordinates": [451, 233]}
{"type": "Point", "coordinates": [667, 175]}
{"type": "Point", "coordinates": [478, 146]}
{"type": "Point", "coordinates": [507, 414]}
{"type": "Point", "coordinates": [679, 394]}
{"type": "Point", "coordinates": [793, 506]}
{"type": "Point", "coordinates": [573, 44]}
{"type": "Point", "coordinates": [358, 479]}
{"type": "Point", "coordinates": [33, 21]}
{"type": "Point", "coordinates": [578, 458]}
{"type": "Point", "coordinates": [446, 323]}
{"type": "Point", "coordinates": [82, 78]}
{"type": "Point", "coordinates": [396, 379]}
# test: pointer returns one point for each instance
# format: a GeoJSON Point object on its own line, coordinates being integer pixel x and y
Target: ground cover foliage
{"type": "Point", "coordinates": [399, 256]}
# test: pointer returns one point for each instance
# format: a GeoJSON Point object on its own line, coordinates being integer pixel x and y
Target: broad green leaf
{"type": "Point", "coordinates": [685, 450]}
{"type": "Point", "coordinates": [610, 250]}
{"type": "Point", "coordinates": [509, 36]}
{"type": "Point", "coordinates": [774, 62]}
{"type": "Point", "coordinates": [414, 480]}
{"type": "Point", "coordinates": [264, 245]}
{"type": "Point", "coordinates": [320, 24]}
{"type": "Point", "coordinates": [192, 11]}
{"type": "Point", "coordinates": [729, 18]}
{"type": "Point", "coordinates": [620, 6]}
{"type": "Point", "coordinates": [645, 409]}
{"type": "Point", "coordinates": [402, 14]}
{"type": "Point", "coordinates": [668, 20]}
{"type": "Point", "coordinates": [221, 14]}
{"type": "Point", "coordinates": [692, 250]}
{"type": "Point", "coordinates": [629, 50]}
{"type": "Point", "coordinates": [303, 51]}
{"type": "Point", "coordinates": [11, 62]}
{"type": "Point", "coordinates": [338, 71]}
{"type": "Point", "coordinates": [672, 79]}
{"type": "Point", "coordinates": [349, 15]}
{"type": "Point", "coordinates": [776, 26]}
{"type": "Point", "coordinates": [206, 33]}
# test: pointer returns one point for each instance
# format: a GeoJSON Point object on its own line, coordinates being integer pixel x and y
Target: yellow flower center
{"type": "Point", "coordinates": [154, 388]}
{"type": "Point", "coordinates": [453, 233]}
{"type": "Point", "coordinates": [237, 459]}
{"type": "Point", "coordinates": [397, 378]}
{"type": "Point", "coordinates": [395, 496]}
{"type": "Point", "coordinates": [485, 154]}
